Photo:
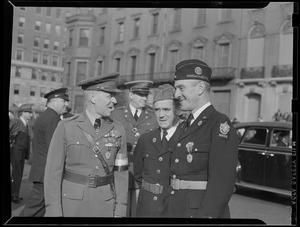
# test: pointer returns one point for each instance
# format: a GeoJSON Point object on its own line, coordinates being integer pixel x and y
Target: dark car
{"type": "Point", "coordinates": [265, 156]}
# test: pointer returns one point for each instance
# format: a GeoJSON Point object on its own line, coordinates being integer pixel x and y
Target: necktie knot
{"type": "Point", "coordinates": [136, 117]}
{"type": "Point", "coordinates": [97, 124]}
{"type": "Point", "coordinates": [189, 120]}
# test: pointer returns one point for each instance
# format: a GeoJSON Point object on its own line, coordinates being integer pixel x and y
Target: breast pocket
{"type": "Point", "coordinates": [77, 152]}
{"type": "Point", "coordinates": [200, 155]}
{"type": "Point", "coordinates": [149, 160]}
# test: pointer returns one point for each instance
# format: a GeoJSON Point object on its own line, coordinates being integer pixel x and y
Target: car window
{"type": "Point", "coordinates": [240, 133]}
{"type": "Point", "coordinates": [255, 136]}
{"type": "Point", "coordinates": [281, 138]}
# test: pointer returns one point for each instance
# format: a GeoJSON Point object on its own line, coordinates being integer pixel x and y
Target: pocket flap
{"type": "Point", "coordinates": [202, 147]}
{"type": "Point", "coordinates": [72, 190]}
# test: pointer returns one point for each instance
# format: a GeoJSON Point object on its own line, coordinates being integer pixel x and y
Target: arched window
{"type": "Point", "coordinates": [255, 52]}
{"type": "Point", "coordinates": [286, 43]}
{"type": "Point", "coordinates": [253, 107]}
{"type": "Point", "coordinates": [173, 55]}
{"type": "Point", "coordinates": [198, 48]}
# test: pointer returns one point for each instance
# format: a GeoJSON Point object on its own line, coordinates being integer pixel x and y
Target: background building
{"type": "Point", "coordinates": [38, 45]}
{"type": "Point", "coordinates": [250, 51]}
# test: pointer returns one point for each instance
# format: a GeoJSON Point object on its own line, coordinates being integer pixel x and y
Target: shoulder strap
{"type": "Point", "coordinates": [97, 152]}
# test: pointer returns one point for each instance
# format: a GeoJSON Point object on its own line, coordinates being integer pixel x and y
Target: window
{"type": "Point", "coordinates": [255, 136]}
{"type": "Point", "coordinates": [133, 65]}
{"type": "Point", "coordinates": [57, 29]}
{"type": "Point", "coordinates": [38, 10]}
{"type": "Point", "coordinates": [19, 55]}
{"type": "Point", "coordinates": [20, 39]}
{"type": "Point", "coordinates": [136, 27]}
{"type": "Point", "coordinates": [223, 55]}
{"type": "Point", "coordinates": [84, 37]}
{"type": "Point", "coordinates": [56, 45]}
{"type": "Point", "coordinates": [286, 44]}
{"type": "Point", "coordinates": [225, 15]}
{"type": "Point", "coordinates": [21, 21]}
{"type": "Point", "coordinates": [36, 42]}
{"type": "Point", "coordinates": [81, 71]}
{"type": "Point", "coordinates": [64, 47]}
{"type": "Point", "coordinates": [32, 90]}
{"type": "Point", "coordinates": [46, 43]}
{"type": "Point", "coordinates": [152, 57]}
{"type": "Point", "coordinates": [48, 11]}
{"type": "Point", "coordinates": [35, 57]}
{"type": "Point", "coordinates": [255, 53]}
{"type": "Point", "coordinates": [155, 23]}
{"type": "Point", "coordinates": [42, 91]}
{"type": "Point", "coordinates": [102, 35]}
{"type": "Point", "coordinates": [174, 54]}
{"type": "Point", "coordinates": [55, 60]}
{"type": "Point", "coordinates": [53, 78]}
{"type": "Point", "coordinates": [201, 17]}
{"type": "Point", "coordinates": [48, 27]}
{"type": "Point", "coordinates": [120, 37]}
{"type": "Point", "coordinates": [34, 74]}
{"type": "Point", "coordinates": [71, 37]}
{"type": "Point", "coordinates": [44, 76]}
{"type": "Point", "coordinates": [68, 14]}
{"type": "Point", "coordinates": [117, 64]}
{"type": "Point", "coordinates": [46, 59]}
{"type": "Point", "coordinates": [58, 13]}
{"type": "Point", "coordinates": [16, 89]}
{"type": "Point", "coordinates": [99, 67]}
{"type": "Point", "coordinates": [18, 72]}
{"type": "Point", "coordinates": [281, 138]}
{"type": "Point", "coordinates": [176, 19]}
{"type": "Point", "coordinates": [198, 52]}
{"type": "Point", "coordinates": [37, 25]}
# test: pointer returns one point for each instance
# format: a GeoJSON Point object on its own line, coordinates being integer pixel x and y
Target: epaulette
{"type": "Point", "coordinates": [70, 118]}
{"type": "Point", "coordinates": [119, 108]}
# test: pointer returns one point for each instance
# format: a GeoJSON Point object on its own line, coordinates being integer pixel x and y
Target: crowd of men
{"type": "Point", "coordinates": [176, 158]}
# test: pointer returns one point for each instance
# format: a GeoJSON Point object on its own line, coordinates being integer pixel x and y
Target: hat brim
{"type": "Point", "coordinates": [113, 90]}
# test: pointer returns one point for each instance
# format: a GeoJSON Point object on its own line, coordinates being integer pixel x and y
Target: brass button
{"type": "Point", "coordinates": [158, 171]}
{"type": "Point", "coordinates": [160, 158]}
{"type": "Point", "coordinates": [178, 144]}
{"type": "Point", "coordinates": [154, 198]}
{"type": "Point", "coordinates": [172, 192]}
{"type": "Point", "coordinates": [97, 143]}
{"type": "Point", "coordinates": [174, 176]}
{"type": "Point", "coordinates": [97, 167]}
{"type": "Point", "coordinates": [176, 160]}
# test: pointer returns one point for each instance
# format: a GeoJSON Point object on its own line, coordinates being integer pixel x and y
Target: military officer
{"type": "Point", "coordinates": [86, 172]}
{"type": "Point", "coordinates": [204, 159]}
{"type": "Point", "coordinates": [152, 155]}
{"type": "Point", "coordinates": [137, 119]}
{"type": "Point", "coordinates": [44, 127]}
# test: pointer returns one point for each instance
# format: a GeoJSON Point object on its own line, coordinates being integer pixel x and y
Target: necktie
{"type": "Point", "coordinates": [97, 124]}
{"type": "Point", "coordinates": [164, 140]}
{"type": "Point", "coordinates": [136, 117]}
{"type": "Point", "coordinates": [188, 121]}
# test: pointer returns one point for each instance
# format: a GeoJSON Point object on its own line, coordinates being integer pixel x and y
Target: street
{"type": "Point", "coordinates": [267, 207]}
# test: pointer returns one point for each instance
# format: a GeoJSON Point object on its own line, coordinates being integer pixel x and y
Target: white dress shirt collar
{"type": "Point", "coordinates": [199, 111]}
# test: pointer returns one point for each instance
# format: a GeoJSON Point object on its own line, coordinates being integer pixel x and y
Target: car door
{"type": "Point", "coordinates": [252, 155]}
{"type": "Point", "coordinates": [279, 160]}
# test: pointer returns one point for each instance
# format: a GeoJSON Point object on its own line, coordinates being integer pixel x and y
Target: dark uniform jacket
{"type": "Point", "coordinates": [151, 164]}
{"type": "Point", "coordinates": [44, 127]}
{"type": "Point", "coordinates": [214, 145]}
{"type": "Point", "coordinates": [70, 150]}
{"type": "Point", "coordinates": [134, 129]}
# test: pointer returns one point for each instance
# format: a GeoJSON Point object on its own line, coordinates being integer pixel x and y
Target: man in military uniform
{"type": "Point", "coordinates": [86, 172]}
{"type": "Point", "coordinates": [44, 126]}
{"type": "Point", "coordinates": [20, 149]}
{"type": "Point", "coordinates": [204, 158]}
{"type": "Point", "coordinates": [137, 119]}
{"type": "Point", "coordinates": [152, 155]}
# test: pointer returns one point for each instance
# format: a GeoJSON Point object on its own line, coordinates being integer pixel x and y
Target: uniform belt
{"type": "Point", "coordinates": [177, 184]}
{"type": "Point", "coordinates": [154, 188]}
{"type": "Point", "coordinates": [92, 180]}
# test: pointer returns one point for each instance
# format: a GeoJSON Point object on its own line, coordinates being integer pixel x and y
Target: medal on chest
{"type": "Point", "coordinates": [189, 148]}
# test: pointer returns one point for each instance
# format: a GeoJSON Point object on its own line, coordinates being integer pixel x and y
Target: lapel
{"type": "Point", "coordinates": [129, 117]}
{"type": "Point", "coordinates": [156, 140]}
{"type": "Point", "coordinates": [106, 127]}
{"type": "Point", "coordinates": [199, 122]}
{"type": "Point", "coordinates": [85, 124]}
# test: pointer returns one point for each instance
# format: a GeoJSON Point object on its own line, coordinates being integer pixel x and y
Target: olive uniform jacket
{"type": "Point", "coordinates": [134, 129]}
{"type": "Point", "coordinates": [213, 145]}
{"type": "Point", "coordinates": [71, 151]}
{"type": "Point", "coordinates": [43, 130]}
{"type": "Point", "coordinates": [152, 164]}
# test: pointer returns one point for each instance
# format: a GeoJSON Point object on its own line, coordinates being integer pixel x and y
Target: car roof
{"type": "Point", "coordinates": [273, 124]}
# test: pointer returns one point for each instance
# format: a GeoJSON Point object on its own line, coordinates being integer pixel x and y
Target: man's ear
{"type": "Point", "coordinates": [92, 96]}
{"type": "Point", "coordinates": [201, 87]}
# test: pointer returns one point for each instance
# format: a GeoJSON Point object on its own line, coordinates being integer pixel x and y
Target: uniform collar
{"type": "Point", "coordinates": [199, 111]}
{"type": "Point", "coordinates": [170, 131]}
{"type": "Point", "coordinates": [90, 116]}
{"type": "Point", "coordinates": [132, 109]}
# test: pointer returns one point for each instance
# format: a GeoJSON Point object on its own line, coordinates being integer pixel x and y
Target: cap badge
{"type": "Point", "coordinates": [198, 70]}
